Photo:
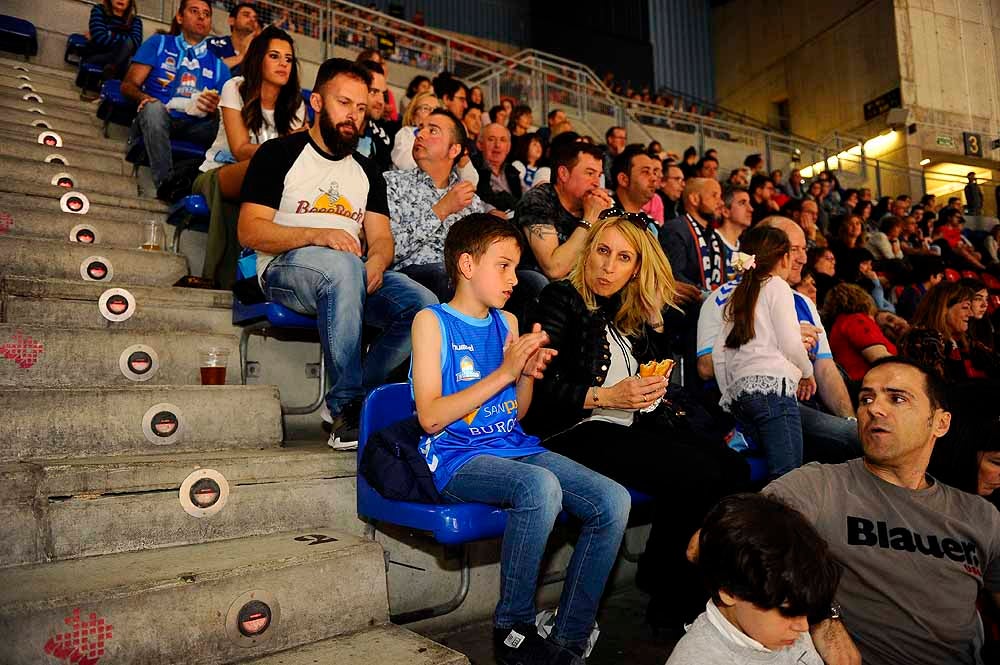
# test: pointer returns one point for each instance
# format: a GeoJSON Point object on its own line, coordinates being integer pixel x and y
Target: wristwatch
{"type": "Point", "coordinates": [836, 611]}
{"type": "Point", "coordinates": [584, 224]}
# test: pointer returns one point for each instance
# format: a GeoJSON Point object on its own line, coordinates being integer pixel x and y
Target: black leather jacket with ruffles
{"type": "Point", "coordinates": [580, 337]}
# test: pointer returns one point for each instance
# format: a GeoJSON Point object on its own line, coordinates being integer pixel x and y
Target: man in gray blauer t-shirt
{"type": "Point", "coordinates": [915, 552]}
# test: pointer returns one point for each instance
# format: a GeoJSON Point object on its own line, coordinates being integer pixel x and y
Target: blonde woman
{"type": "Point", "coordinates": [604, 321]}
{"type": "Point", "coordinates": [416, 112]}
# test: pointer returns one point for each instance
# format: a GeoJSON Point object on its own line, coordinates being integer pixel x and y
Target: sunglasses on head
{"type": "Point", "coordinates": [639, 219]}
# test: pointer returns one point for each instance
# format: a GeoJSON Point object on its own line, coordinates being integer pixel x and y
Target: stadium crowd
{"type": "Point", "coordinates": [850, 343]}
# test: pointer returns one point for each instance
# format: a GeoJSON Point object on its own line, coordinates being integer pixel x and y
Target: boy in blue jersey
{"type": "Point", "coordinates": [473, 378]}
{"type": "Point", "coordinates": [175, 79]}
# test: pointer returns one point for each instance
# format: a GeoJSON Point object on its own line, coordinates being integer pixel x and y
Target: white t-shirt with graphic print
{"type": "Point", "coordinates": [307, 187]}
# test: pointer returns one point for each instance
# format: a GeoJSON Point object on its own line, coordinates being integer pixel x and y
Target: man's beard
{"type": "Point", "coordinates": [339, 145]}
{"type": "Point", "coordinates": [709, 216]}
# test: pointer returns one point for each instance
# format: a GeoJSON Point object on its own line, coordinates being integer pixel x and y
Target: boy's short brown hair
{"type": "Point", "coordinates": [473, 234]}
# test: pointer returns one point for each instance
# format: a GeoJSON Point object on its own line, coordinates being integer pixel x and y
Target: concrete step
{"type": "Point", "coordinates": [43, 357]}
{"type": "Point", "coordinates": [82, 113]}
{"type": "Point", "coordinates": [20, 194]}
{"type": "Point", "coordinates": [37, 257]}
{"type": "Point", "coordinates": [44, 89]}
{"type": "Point", "coordinates": [18, 117]}
{"type": "Point", "coordinates": [93, 159]}
{"type": "Point", "coordinates": [85, 179]}
{"type": "Point", "coordinates": [39, 77]}
{"type": "Point", "coordinates": [17, 66]}
{"type": "Point", "coordinates": [70, 423]}
{"type": "Point", "coordinates": [100, 231]}
{"type": "Point", "coordinates": [53, 302]}
{"type": "Point", "coordinates": [165, 606]}
{"type": "Point", "coordinates": [70, 140]}
{"type": "Point", "coordinates": [385, 645]}
{"type": "Point", "coordinates": [96, 506]}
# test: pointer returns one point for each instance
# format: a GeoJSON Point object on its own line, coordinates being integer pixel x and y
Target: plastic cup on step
{"type": "Point", "coordinates": [213, 361]}
{"type": "Point", "coordinates": [152, 236]}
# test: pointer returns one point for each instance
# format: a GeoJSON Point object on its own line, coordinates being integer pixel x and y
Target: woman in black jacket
{"type": "Point", "coordinates": [606, 320]}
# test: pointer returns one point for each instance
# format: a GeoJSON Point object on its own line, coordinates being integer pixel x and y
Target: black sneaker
{"type": "Point", "coordinates": [345, 427]}
{"type": "Point", "coordinates": [522, 645]}
{"type": "Point", "coordinates": [568, 656]}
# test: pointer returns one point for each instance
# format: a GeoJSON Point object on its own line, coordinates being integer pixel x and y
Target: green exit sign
{"type": "Point", "coordinates": [945, 141]}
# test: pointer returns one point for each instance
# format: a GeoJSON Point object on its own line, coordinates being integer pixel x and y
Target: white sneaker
{"type": "Point", "coordinates": [335, 443]}
{"type": "Point", "coordinates": [324, 413]}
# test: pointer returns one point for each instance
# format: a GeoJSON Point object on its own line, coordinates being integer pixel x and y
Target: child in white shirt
{"type": "Point", "coordinates": [770, 574]}
{"type": "Point", "coordinates": [760, 363]}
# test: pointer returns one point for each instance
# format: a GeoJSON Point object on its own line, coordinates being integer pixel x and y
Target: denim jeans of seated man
{"type": "Point", "coordinates": [331, 285]}
{"type": "Point", "coordinates": [435, 277]}
{"type": "Point", "coordinates": [535, 489]}
{"type": "Point", "coordinates": [157, 127]}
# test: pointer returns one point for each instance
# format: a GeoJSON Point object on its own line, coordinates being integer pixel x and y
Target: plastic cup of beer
{"type": "Point", "coordinates": [152, 236]}
{"type": "Point", "coordinates": [213, 362]}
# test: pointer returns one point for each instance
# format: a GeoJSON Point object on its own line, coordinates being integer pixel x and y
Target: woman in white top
{"type": "Point", "coordinates": [760, 363]}
{"type": "Point", "coordinates": [416, 112]}
{"type": "Point", "coordinates": [264, 103]}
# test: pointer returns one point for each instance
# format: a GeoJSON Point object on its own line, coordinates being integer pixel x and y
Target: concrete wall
{"type": "Point", "coordinates": [827, 59]}
{"type": "Point", "coordinates": [949, 67]}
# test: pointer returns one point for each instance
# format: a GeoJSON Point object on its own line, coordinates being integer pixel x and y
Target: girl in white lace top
{"type": "Point", "coordinates": [760, 362]}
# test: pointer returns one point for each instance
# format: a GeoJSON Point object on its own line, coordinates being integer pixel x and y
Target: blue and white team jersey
{"type": "Point", "coordinates": [471, 349]}
{"type": "Point", "coordinates": [179, 69]}
{"type": "Point", "coordinates": [710, 320]}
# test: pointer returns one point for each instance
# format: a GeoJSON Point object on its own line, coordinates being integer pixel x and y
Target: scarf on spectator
{"type": "Point", "coordinates": [712, 256]}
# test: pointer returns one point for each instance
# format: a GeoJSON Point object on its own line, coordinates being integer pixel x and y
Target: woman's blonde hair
{"type": "Point", "coordinates": [411, 108]}
{"type": "Point", "coordinates": [645, 295]}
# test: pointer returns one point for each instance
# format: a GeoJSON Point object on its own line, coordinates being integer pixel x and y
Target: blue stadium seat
{"type": "Point", "coordinates": [191, 212]}
{"type": "Point", "coordinates": [114, 106]}
{"type": "Point", "coordinates": [89, 77]}
{"type": "Point", "coordinates": [449, 524]}
{"type": "Point", "coordinates": [18, 36]}
{"type": "Point", "coordinates": [181, 150]}
{"type": "Point", "coordinates": [75, 46]}
{"type": "Point", "coordinates": [263, 317]}
{"type": "Point", "coordinates": [310, 114]}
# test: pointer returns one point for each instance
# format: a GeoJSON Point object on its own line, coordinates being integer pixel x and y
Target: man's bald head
{"type": "Point", "coordinates": [703, 196]}
{"type": "Point", "coordinates": [700, 186]}
{"type": "Point", "coordinates": [797, 239]}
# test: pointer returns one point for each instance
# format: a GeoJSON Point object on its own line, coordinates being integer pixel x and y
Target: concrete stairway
{"type": "Point", "coordinates": [150, 519]}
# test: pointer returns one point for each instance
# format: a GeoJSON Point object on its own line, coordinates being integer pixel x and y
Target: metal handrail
{"type": "Point", "coordinates": [544, 76]}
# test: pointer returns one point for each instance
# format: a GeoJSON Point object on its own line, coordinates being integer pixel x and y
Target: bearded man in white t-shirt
{"type": "Point", "coordinates": [316, 213]}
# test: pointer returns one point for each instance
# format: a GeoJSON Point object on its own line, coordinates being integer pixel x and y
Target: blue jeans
{"type": "Point", "coordinates": [827, 438]}
{"type": "Point", "coordinates": [534, 490]}
{"type": "Point", "coordinates": [156, 126]}
{"type": "Point", "coordinates": [773, 421]}
{"type": "Point", "coordinates": [331, 285]}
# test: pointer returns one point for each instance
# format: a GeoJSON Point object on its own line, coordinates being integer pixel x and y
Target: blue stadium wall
{"type": "Point", "coordinates": [681, 34]}
{"type": "Point", "coordinates": [506, 21]}
{"type": "Point", "coordinates": [665, 42]}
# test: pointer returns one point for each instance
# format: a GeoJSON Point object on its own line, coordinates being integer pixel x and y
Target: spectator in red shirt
{"type": "Point", "coordinates": [855, 338]}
